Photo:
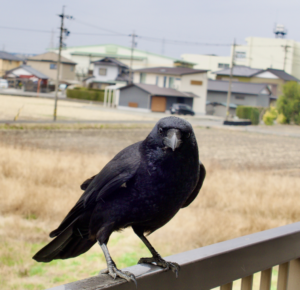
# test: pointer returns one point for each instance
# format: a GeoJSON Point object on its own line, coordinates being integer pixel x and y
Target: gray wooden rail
{"type": "Point", "coordinates": [218, 265]}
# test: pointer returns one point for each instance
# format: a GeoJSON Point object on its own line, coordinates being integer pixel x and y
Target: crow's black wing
{"type": "Point", "coordinates": [202, 173]}
{"type": "Point", "coordinates": [85, 184]}
{"type": "Point", "coordinates": [117, 172]}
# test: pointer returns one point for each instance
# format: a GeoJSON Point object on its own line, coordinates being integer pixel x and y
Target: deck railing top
{"type": "Point", "coordinates": [210, 266]}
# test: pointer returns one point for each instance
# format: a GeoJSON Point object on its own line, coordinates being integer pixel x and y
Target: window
{"type": "Point", "coordinates": [157, 80]}
{"type": "Point", "coordinates": [240, 97]}
{"type": "Point", "coordinates": [240, 54]}
{"type": "Point", "coordinates": [171, 82]}
{"type": "Point", "coordinates": [72, 68]}
{"type": "Point", "coordinates": [102, 71]}
{"type": "Point", "coordinates": [165, 82]}
{"type": "Point", "coordinates": [196, 83]}
{"type": "Point", "coordinates": [142, 78]}
{"type": "Point", "coordinates": [223, 65]}
{"type": "Point", "coordinates": [52, 65]}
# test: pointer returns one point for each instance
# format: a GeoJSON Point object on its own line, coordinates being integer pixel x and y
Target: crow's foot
{"type": "Point", "coordinates": [159, 261]}
{"type": "Point", "coordinates": [114, 272]}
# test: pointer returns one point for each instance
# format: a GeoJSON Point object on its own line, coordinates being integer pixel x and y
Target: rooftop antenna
{"type": "Point", "coordinates": [280, 31]}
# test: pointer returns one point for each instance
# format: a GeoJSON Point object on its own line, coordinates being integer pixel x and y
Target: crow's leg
{"type": "Point", "coordinates": [157, 259]}
{"type": "Point", "coordinates": [112, 269]}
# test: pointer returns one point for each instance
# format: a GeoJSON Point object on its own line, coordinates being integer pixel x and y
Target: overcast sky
{"type": "Point", "coordinates": [215, 21]}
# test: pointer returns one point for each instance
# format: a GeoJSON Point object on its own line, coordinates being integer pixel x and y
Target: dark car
{"type": "Point", "coordinates": [182, 109]}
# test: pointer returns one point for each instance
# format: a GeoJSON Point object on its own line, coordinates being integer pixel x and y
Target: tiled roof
{"type": "Point", "coordinates": [236, 87]}
{"type": "Point", "coordinates": [158, 91]}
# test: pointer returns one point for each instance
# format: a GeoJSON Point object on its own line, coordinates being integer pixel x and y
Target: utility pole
{"type": "Point", "coordinates": [62, 30]}
{"type": "Point", "coordinates": [286, 47]}
{"type": "Point", "coordinates": [230, 80]}
{"type": "Point", "coordinates": [133, 35]}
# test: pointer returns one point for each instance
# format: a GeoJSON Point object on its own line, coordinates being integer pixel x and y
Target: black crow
{"type": "Point", "coordinates": [143, 186]}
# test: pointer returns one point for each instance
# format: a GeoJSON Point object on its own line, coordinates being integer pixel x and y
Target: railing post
{"type": "Point", "coordinates": [293, 282]}
{"type": "Point", "coordinates": [283, 276]}
{"type": "Point", "coordinates": [247, 283]}
{"type": "Point", "coordinates": [265, 279]}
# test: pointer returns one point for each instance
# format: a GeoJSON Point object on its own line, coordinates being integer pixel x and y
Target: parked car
{"type": "Point", "coordinates": [182, 109]}
{"type": "Point", "coordinates": [3, 84]}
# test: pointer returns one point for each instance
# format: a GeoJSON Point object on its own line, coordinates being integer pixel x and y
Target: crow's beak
{"type": "Point", "coordinates": [172, 140]}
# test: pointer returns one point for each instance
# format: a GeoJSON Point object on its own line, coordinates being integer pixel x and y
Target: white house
{"type": "Point", "coordinates": [108, 71]}
{"type": "Point", "coordinates": [181, 79]}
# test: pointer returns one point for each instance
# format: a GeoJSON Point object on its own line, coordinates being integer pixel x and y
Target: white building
{"type": "Point", "coordinates": [181, 79]}
{"type": "Point", "coordinates": [208, 62]}
{"type": "Point", "coordinates": [263, 53]}
{"type": "Point", "coordinates": [84, 56]}
{"type": "Point", "coordinates": [108, 71]}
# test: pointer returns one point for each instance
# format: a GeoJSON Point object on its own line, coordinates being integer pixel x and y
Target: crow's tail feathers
{"type": "Point", "coordinates": [65, 245]}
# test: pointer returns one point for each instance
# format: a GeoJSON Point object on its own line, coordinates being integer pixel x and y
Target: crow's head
{"type": "Point", "coordinates": [171, 133]}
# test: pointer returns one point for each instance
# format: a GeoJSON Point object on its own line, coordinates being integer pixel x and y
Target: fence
{"type": "Point", "coordinates": [218, 265]}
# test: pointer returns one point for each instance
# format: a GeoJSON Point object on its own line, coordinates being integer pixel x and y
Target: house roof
{"type": "Point", "coordinates": [176, 71]}
{"type": "Point", "coordinates": [236, 87]}
{"type": "Point", "coordinates": [110, 61]}
{"type": "Point", "coordinates": [246, 71]}
{"type": "Point", "coordinates": [8, 56]}
{"type": "Point", "coordinates": [158, 91]}
{"type": "Point", "coordinates": [29, 69]}
{"type": "Point", "coordinates": [50, 57]}
{"type": "Point", "coordinates": [282, 74]}
{"type": "Point", "coordinates": [239, 71]}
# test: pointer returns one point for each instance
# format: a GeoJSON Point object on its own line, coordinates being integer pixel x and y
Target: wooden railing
{"type": "Point", "coordinates": [219, 265]}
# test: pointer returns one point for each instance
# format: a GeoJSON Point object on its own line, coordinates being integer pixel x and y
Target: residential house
{"type": "Point", "coordinates": [186, 81]}
{"type": "Point", "coordinates": [273, 77]}
{"type": "Point", "coordinates": [85, 56]}
{"type": "Point", "coordinates": [8, 61]}
{"type": "Point", "coordinates": [242, 93]}
{"type": "Point", "coordinates": [146, 98]}
{"type": "Point", "coordinates": [27, 77]}
{"type": "Point", "coordinates": [209, 62]}
{"type": "Point", "coordinates": [47, 64]}
{"type": "Point", "coordinates": [108, 71]}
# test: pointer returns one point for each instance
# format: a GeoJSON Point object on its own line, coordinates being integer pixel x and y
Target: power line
{"type": "Point", "coordinates": [98, 27]}
{"type": "Point", "coordinates": [50, 31]}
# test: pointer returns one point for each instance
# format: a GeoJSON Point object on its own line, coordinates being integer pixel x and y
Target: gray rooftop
{"type": "Point", "coordinates": [239, 71]}
{"type": "Point", "coordinates": [282, 74]}
{"type": "Point", "coordinates": [8, 56]}
{"type": "Point", "coordinates": [110, 61]}
{"type": "Point", "coordinates": [158, 91]}
{"type": "Point", "coordinates": [31, 70]}
{"type": "Point", "coordinates": [176, 71]}
{"type": "Point", "coordinates": [236, 87]}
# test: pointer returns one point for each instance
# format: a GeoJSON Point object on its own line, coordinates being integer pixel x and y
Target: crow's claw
{"type": "Point", "coordinates": [114, 272]}
{"type": "Point", "coordinates": [159, 261]}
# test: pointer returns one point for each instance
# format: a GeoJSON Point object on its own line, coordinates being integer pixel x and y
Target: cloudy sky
{"type": "Point", "coordinates": [186, 26]}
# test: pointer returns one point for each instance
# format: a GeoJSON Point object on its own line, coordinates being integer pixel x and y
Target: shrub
{"type": "Point", "coordinates": [247, 112]}
{"type": "Point", "coordinates": [270, 116]}
{"type": "Point", "coordinates": [289, 103]}
{"type": "Point", "coordinates": [281, 119]}
{"type": "Point", "coordinates": [86, 94]}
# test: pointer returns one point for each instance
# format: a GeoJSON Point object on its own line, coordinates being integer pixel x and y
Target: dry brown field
{"type": "Point", "coordinates": [252, 184]}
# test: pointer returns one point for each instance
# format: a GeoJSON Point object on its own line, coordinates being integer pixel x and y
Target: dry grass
{"type": "Point", "coordinates": [38, 187]}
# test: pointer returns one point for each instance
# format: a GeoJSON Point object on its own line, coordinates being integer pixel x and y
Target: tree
{"type": "Point", "coordinates": [289, 103]}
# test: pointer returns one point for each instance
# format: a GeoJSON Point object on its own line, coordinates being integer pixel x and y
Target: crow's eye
{"type": "Point", "coordinates": [160, 130]}
{"type": "Point", "coordinates": [188, 135]}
